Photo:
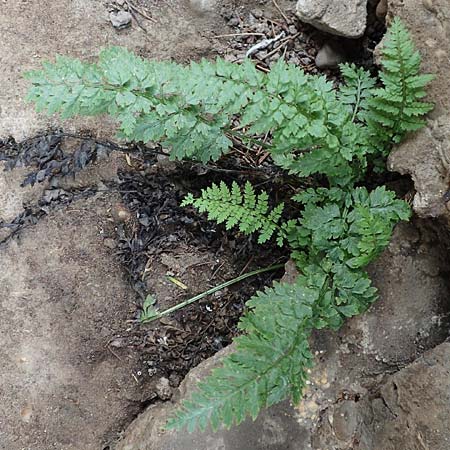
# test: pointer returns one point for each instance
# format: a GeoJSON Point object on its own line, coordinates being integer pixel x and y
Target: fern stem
{"type": "Point", "coordinates": [358, 101]}
{"type": "Point", "coordinates": [211, 291]}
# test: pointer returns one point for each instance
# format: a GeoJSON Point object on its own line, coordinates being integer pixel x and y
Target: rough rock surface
{"type": "Point", "coordinates": [426, 155]}
{"type": "Point", "coordinates": [120, 19]}
{"type": "Point", "coordinates": [342, 18]}
{"type": "Point", "coordinates": [339, 407]}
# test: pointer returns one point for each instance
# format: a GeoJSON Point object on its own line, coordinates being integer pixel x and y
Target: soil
{"type": "Point", "coordinates": [89, 227]}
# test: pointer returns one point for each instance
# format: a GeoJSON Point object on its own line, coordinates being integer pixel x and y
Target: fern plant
{"type": "Point", "coordinates": [314, 129]}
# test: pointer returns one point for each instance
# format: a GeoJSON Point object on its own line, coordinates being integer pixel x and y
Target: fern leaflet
{"type": "Point", "coordinates": [236, 207]}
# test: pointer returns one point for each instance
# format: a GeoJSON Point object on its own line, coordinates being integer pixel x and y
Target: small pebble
{"type": "Point", "coordinates": [110, 243]}
{"type": "Point", "coordinates": [121, 213]}
{"type": "Point", "coordinates": [257, 13]}
{"type": "Point", "coordinates": [163, 389]}
{"type": "Point", "coordinates": [120, 20]}
{"type": "Point", "coordinates": [382, 9]}
{"type": "Point", "coordinates": [234, 22]}
{"type": "Point", "coordinates": [329, 56]}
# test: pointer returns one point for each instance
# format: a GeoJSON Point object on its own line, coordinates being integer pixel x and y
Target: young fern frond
{"type": "Point", "coordinates": [356, 91]}
{"type": "Point", "coordinates": [269, 364]}
{"type": "Point", "coordinates": [397, 107]}
{"type": "Point", "coordinates": [242, 208]}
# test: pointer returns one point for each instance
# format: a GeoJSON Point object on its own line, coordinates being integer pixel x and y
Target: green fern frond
{"type": "Point", "coordinates": [397, 108]}
{"type": "Point", "coordinates": [242, 208]}
{"type": "Point", "coordinates": [273, 356]}
{"type": "Point", "coordinates": [337, 234]}
{"type": "Point", "coordinates": [356, 91]}
{"type": "Point", "coordinates": [269, 364]}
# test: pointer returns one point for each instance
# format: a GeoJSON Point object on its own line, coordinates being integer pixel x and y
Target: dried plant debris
{"type": "Point", "coordinates": [45, 152]}
{"type": "Point", "coordinates": [150, 225]}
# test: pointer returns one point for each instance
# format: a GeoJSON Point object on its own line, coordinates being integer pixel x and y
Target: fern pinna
{"type": "Point", "coordinates": [313, 129]}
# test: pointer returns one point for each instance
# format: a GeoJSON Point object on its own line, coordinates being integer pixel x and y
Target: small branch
{"type": "Point", "coordinates": [238, 34]}
{"type": "Point", "coordinates": [282, 43]}
{"type": "Point", "coordinates": [132, 6]}
{"type": "Point", "coordinates": [281, 12]}
{"type": "Point", "coordinates": [211, 291]}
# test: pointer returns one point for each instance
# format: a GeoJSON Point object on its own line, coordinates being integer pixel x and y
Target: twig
{"type": "Point", "coordinates": [114, 353]}
{"type": "Point", "coordinates": [263, 158]}
{"type": "Point", "coordinates": [282, 43]}
{"type": "Point", "coordinates": [245, 267]}
{"type": "Point", "coordinates": [238, 34]}
{"type": "Point", "coordinates": [276, 23]}
{"type": "Point", "coordinates": [137, 21]}
{"type": "Point", "coordinates": [211, 291]}
{"type": "Point", "coordinates": [264, 69]}
{"type": "Point", "coordinates": [281, 12]}
{"type": "Point", "coordinates": [131, 6]}
{"type": "Point", "coordinates": [216, 271]}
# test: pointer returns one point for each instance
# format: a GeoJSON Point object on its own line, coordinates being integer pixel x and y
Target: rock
{"type": "Point", "coordinates": [342, 18]}
{"type": "Point", "coordinates": [234, 22]}
{"type": "Point", "coordinates": [120, 213]}
{"type": "Point", "coordinates": [426, 155]}
{"type": "Point", "coordinates": [381, 9]}
{"type": "Point", "coordinates": [120, 19]}
{"type": "Point", "coordinates": [276, 428]}
{"type": "Point", "coordinates": [394, 418]}
{"type": "Point", "coordinates": [330, 56]}
{"type": "Point", "coordinates": [163, 389]}
{"type": "Point", "coordinates": [257, 13]}
{"type": "Point", "coordinates": [416, 404]}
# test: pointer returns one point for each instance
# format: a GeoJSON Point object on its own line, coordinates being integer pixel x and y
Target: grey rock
{"type": "Point", "coordinates": [275, 429]}
{"type": "Point", "coordinates": [120, 19]}
{"type": "Point", "coordinates": [163, 389]}
{"type": "Point", "coordinates": [330, 56]}
{"type": "Point", "coordinates": [234, 22]}
{"type": "Point", "coordinates": [342, 18]}
{"type": "Point", "coordinates": [410, 411]}
{"type": "Point", "coordinates": [257, 13]}
{"type": "Point", "coordinates": [110, 243]}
